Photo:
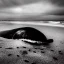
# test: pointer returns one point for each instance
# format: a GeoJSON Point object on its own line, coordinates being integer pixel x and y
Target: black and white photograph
{"type": "Point", "coordinates": [31, 32]}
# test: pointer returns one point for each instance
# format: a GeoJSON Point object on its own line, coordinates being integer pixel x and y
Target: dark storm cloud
{"type": "Point", "coordinates": [58, 2]}
{"type": "Point", "coordinates": [57, 12]}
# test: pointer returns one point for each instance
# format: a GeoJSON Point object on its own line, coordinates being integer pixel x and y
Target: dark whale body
{"type": "Point", "coordinates": [26, 33]}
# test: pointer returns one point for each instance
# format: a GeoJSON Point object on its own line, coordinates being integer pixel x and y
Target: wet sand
{"type": "Point", "coordinates": [15, 51]}
{"type": "Point", "coordinates": [18, 52]}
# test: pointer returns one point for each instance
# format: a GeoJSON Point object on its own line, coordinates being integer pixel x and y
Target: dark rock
{"type": "Point", "coordinates": [26, 61]}
{"type": "Point", "coordinates": [34, 51]}
{"type": "Point", "coordinates": [52, 50]}
{"type": "Point", "coordinates": [41, 48]}
{"type": "Point", "coordinates": [24, 52]}
{"type": "Point", "coordinates": [18, 56]}
{"type": "Point", "coordinates": [55, 58]}
{"type": "Point", "coordinates": [17, 47]}
{"type": "Point", "coordinates": [0, 47]}
{"type": "Point", "coordinates": [9, 54]}
{"type": "Point", "coordinates": [29, 50]}
{"type": "Point", "coordinates": [23, 47]}
{"type": "Point", "coordinates": [9, 48]}
{"type": "Point", "coordinates": [34, 63]}
{"type": "Point", "coordinates": [60, 52]}
{"type": "Point", "coordinates": [42, 51]}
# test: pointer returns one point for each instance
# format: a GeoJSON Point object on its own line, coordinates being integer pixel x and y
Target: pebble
{"type": "Point", "coordinates": [55, 58]}
{"type": "Point", "coordinates": [9, 54]}
{"type": "Point", "coordinates": [26, 61]}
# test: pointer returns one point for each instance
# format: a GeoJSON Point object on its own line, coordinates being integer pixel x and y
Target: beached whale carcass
{"type": "Point", "coordinates": [26, 33]}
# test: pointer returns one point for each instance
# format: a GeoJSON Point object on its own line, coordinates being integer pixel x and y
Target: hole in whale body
{"type": "Point", "coordinates": [31, 34]}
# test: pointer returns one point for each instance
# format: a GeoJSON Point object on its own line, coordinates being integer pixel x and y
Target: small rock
{"type": "Point", "coordinates": [18, 56]}
{"type": "Point", "coordinates": [55, 58]}
{"type": "Point", "coordinates": [9, 54]}
{"type": "Point", "coordinates": [24, 52]}
{"type": "Point", "coordinates": [29, 50]}
{"type": "Point", "coordinates": [17, 47]}
{"type": "Point", "coordinates": [52, 50]}
{"type": "Point", "coordinates": [9, 48]}
{"type": "Point", "coordinates": [34, 63]}
{"type": "Point", "coordinates": [42, 51]}
{"type": "Point", "coordinates": [23, 47]}
{"type": "Point", "coordinates": [0, 47]}
{"type": "Point", "coordinates": [60, 52]}
{"type": "Point", "coordinates": [26, 61]}
{"type": "Point", "coordinates": [34, 51]}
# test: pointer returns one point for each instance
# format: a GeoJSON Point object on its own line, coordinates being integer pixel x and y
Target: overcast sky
{"type": "Point", "coordinates": [22, 2]}
{"type": "Point", "coordinates": [32, 8]}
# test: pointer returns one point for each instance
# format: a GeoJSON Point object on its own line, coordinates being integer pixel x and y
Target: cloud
{"type": "Point", "coordinates": [58, 2]}
{"type": "Point", "coordinates": [11, 3]}
{"type": "Point", "coordinates": [33, 10]}
{"type": "Point", "coordinates": [39, 8]}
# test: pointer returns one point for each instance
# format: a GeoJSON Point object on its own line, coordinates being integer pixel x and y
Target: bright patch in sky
{"type": "Point", "coordinates": [37, 8]}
